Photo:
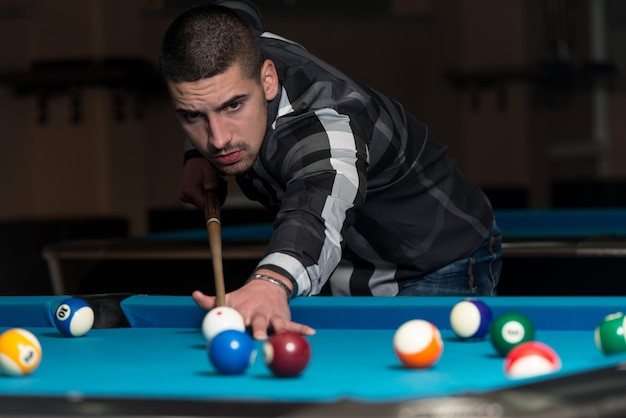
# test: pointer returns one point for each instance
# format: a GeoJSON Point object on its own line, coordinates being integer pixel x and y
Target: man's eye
{"type": "Point", "coordinates": [233, 106]}
{"type": "Point", "coordinates": [191, 116]}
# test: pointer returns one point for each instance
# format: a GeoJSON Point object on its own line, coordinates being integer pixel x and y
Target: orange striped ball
{"type": "Point", "coordinates": [20, 352]}
{"type": "Point", "coordinates": [418, 344]}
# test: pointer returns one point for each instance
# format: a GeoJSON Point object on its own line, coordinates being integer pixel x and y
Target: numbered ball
{"type": "Point", "coordinates": [471, 319]}
{"type": "Point", "coordinates": [610, 335]}
{"type": "Point", "coordinates": [232, 351]}
{"type": "Point", "coordinates": [531, 359]}
{"type": "Point", "coordinates": [418, 344]}
{"type": "Point", "coordinates": [20, 352]}
{"type": "Point", "coordinates": [74, 317]}
{"type": "Point", "coordinates": [220, 319]}
{"type": "Point", "coordinates": [509, 330]}
{"type": "Point", "coordinates": [287, 354]}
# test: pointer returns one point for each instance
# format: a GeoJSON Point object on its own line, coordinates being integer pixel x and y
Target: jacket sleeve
{"type": "Point", "coordinates": [322, 175]}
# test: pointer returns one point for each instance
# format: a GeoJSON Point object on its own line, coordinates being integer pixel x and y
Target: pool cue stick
{"type": "Point", "coordinates": [213, 225]}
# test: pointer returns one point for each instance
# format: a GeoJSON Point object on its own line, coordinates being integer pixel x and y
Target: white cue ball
{"type": "Point", "coordinates": [220, 319]}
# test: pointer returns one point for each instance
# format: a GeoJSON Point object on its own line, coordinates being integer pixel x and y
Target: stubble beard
{"type": "Point", "coordinates": [241, 166]}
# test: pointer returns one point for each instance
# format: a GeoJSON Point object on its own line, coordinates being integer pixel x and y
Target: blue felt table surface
{"type": "Point", "coordinates": [538, 223]}
{"type": "Point", "coordinates": [355, 362]}
{"type": "Point", "coordinates": [559, 313]}
{"type": "Point", "coordinates": [514, 223]}
{"type": "Point", "coordinates": [245, 232]}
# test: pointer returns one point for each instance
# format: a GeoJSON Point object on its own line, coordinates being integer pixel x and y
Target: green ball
{"type": "Point", "coordinates": [509, 330]}
{"type": "Point", "coordinates": [609, 334]}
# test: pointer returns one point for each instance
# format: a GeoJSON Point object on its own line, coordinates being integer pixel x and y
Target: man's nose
{"type": "Point", "coordinates": [219, 132]}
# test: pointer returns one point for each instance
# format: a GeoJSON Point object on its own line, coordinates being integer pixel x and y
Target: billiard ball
{"type": "Point", "coordinates": [232, 351]}
{"type": "Point", "coordinates": [471, 319]}
{"type": "Point", "coordinates": [20, 352]}
{"type": "Point", "coordinates": [73, 317]}
{"type": "Point", "coordinates": [609, 335]}
{"type": "Point", "coordinates": [531, 359]}
{"type": "Point", "coordinates": [287, 353]}
{"type": "Point", "coordinates": [418, 344]}
{"type": "Point", "coordinates": [510, 329]}
{"type": "Point", "coordinates": [220, 319]}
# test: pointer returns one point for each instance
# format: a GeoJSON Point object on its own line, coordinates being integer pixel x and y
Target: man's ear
{"type": "Point", "coordinates": [269, 80]}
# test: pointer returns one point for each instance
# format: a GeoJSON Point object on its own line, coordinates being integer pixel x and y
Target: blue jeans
{"type": "Point", "coordinates": [476, 275]}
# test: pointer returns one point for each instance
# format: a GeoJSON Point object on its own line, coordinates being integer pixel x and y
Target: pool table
{"type": "Point", "coordinates": [146, 356]}
{"type": "Point", "coordinates": [569, 252]}
{"type": "Point", "coordinates": [71, 260]}
{"type": "Point", "coordinates": [546, 252]}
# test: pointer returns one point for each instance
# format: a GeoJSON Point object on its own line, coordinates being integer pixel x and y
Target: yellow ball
{"type": "Point", "coordinates": [20, 352]}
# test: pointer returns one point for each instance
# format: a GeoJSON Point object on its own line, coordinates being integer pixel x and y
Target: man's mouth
{"type": "Point", "coordinates": [228, 158]}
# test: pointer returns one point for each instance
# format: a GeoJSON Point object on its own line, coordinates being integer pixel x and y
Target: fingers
{"type": "Point", "coordinates": [198, 175]}
{"type": "Point", "coordinates": [259, 319]}
{"type": "Point", "coordinates": [260, 325]}
{"type": "Point", "coordinates": [210, 177]}
{"type": "Point", "coordinates": [202, 300]}
{"type": "Point", "coordinates": [193, 196]}
{"type": "Point", "coordinates": [304, 329]}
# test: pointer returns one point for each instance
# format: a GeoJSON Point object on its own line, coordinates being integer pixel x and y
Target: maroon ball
{"type": "Point", "coordinates": [287, 353]}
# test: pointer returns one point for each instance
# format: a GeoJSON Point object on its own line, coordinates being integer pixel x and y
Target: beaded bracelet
{"type": "Point", "coordinates": [274, 281]}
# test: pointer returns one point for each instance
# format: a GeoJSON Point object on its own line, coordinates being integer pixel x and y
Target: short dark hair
{"type": "Point", "coordinates": [205, 41]}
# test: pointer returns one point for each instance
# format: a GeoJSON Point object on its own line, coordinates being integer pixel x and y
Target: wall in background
{"type": "Point", "coordinates": [507, 135]}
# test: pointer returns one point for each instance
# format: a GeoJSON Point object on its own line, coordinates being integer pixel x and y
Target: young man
{"type": "Point", "coordinates": [367, 201]}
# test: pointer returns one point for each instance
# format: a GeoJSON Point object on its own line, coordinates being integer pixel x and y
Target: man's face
{"type": "Point", "coordinates": [226, 116]}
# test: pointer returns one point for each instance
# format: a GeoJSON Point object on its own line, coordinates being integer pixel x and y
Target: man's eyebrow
{"type": "Point", "coordinates": [224, 105]}
{"type": "Point", "coordinates": [185, 111]}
